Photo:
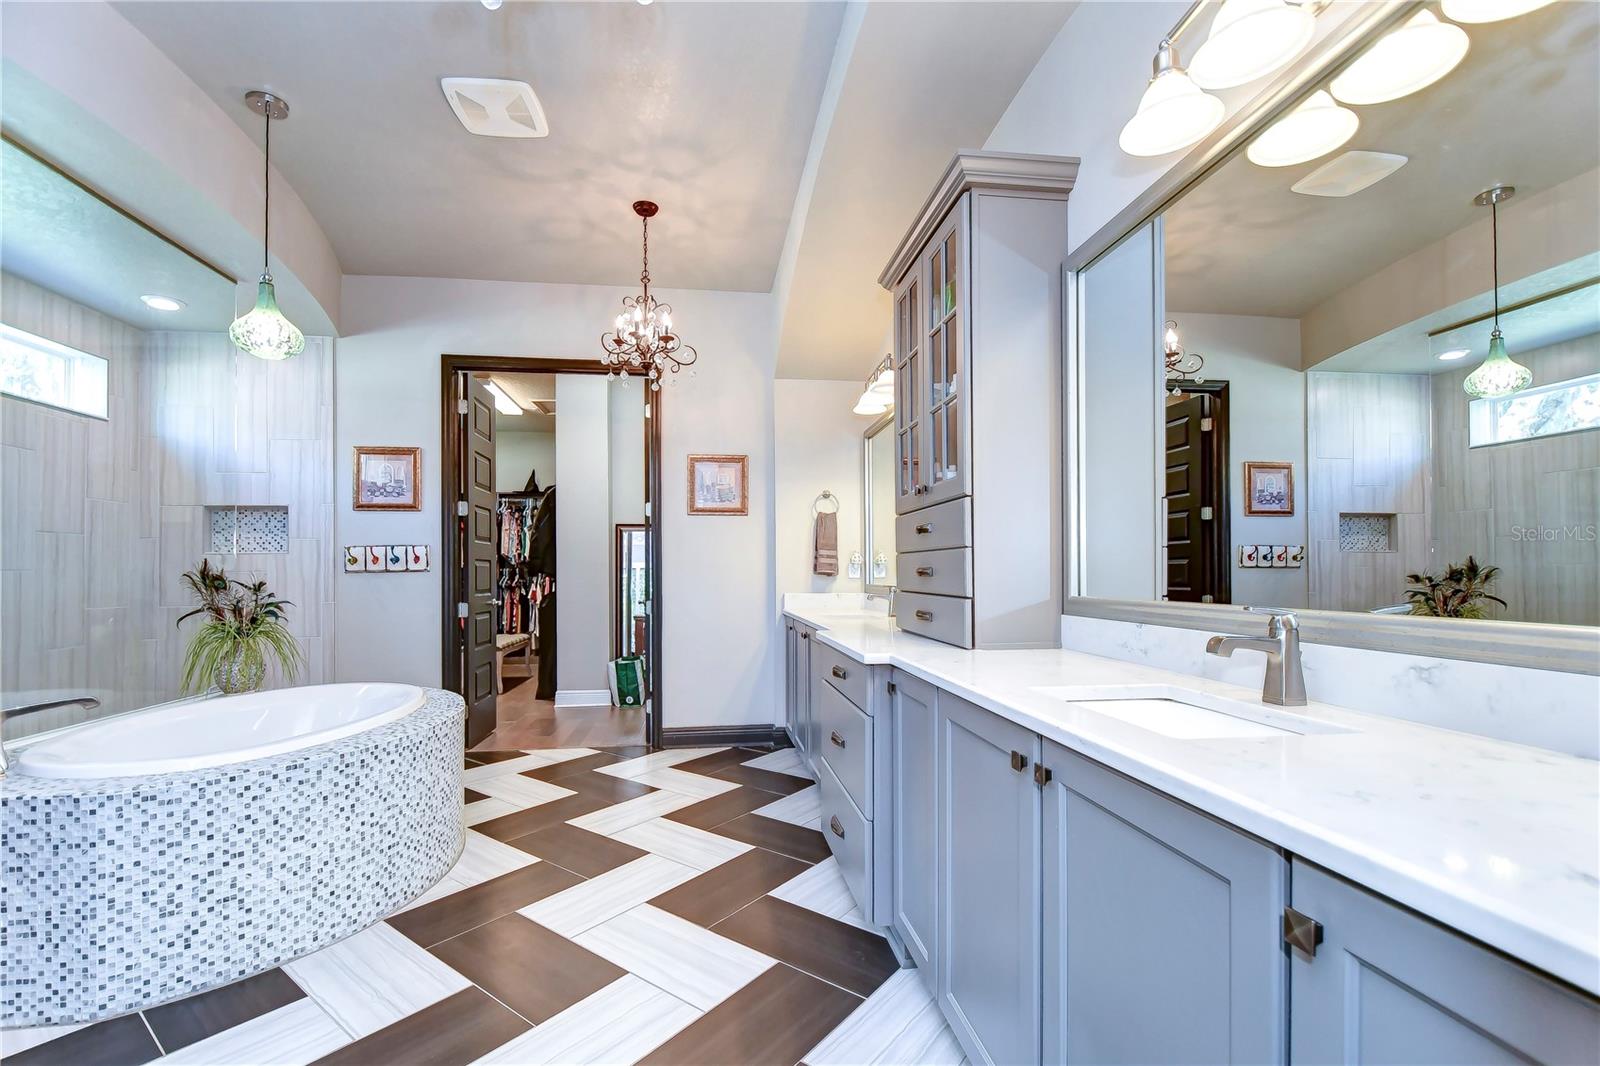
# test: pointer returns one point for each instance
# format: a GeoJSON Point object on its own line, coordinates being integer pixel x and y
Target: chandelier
{"type": "Point", "coordinates": [641, 340]}
{"type": "Point", "coordinates": [1181, 366]}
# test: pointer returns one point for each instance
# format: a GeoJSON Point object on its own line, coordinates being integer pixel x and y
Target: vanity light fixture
{"type": "Point", "coordinates": [1475, 11]}
{"type": "Point", "coordinates": [263, 331]}
{"type": "Point", "coordinates": [502, 401]}
{"type": "Point", "coordinates": [1403, 61]}
{"type": "Point", "coordinates": [1250, 39]}
{"type": "Point", "coordinates": [1498, 374]}
{"type": "Point", "coordinates": [641, 340]}
{"type": "Point", "coordinates": [1173, 113]}
{"type": "Point", "coordinates": [156, 302]}
{"type": "Point", "coordinates": [1453, 354]}
{"type": "Point", "coordinates": [1315, 128]}
{"type": "Point", "coordinates": [878, 396]}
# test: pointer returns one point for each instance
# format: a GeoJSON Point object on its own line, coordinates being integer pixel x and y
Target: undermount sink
{"type": "Point", "coordinates": [1185, 714]}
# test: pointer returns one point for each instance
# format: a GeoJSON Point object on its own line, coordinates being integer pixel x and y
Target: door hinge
{"type": "Point", "coordinates": [1301, 932]}
{"type": "Point", "coordinates": [1206, 514]}
{"type": "Point", "coordinates": [463, 406]}
{"type": "Point", "coordinates": [461, 508]}
{"type": "Point", "coordinates": [1042, 774]}
{"type": "Point", "coordinates": [1208, 598]}
{"type": "Point", "coordinates": [1205, 425]}
{"type": "Point", "coordinates": [461, 610]}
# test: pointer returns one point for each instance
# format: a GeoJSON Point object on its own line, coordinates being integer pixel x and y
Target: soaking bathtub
{"type": "Point", "coordinates": [175, 849]}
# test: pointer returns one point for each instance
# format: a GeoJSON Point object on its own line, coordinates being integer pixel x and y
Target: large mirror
{"type": "Point", "coordinates": [877, 487]}
{"type": "Point", "coordinates": [1307, 433]}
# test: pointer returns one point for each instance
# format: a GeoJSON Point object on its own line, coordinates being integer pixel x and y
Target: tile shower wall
{"type": "Point", "coordinates": [101, 517]}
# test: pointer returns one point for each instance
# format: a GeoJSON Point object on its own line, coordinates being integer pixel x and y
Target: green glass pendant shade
{"type": "Point", "coordinates": [1498, 374]}
{"type": "Point", "coordinates": [263, 331]}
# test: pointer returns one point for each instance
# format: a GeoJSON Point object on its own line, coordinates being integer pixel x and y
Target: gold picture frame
{"type": "Point", "coordinates": [386, 478]}
{"type": "Point", "coordinates": [1269, 489]}
{"type": "Point", "coordinates": [719, 484]}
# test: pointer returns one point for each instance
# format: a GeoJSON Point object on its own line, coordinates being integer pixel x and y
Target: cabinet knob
{"type": "Point", "coordinates": [840, 672]}
{"type": "Point", "coordinates": [805, 636]}
{"type": "Point", "coordinates": [833, 824]}
{"type": "Point", "coordinates": [1301, 932]}
{"type": "Point", "coordinates": [924, 527]}
{"type": "Point", "coordinates": [836, 738]}
{"type": "Point", "coordinates": [924, 616]}
{"type": "Point", "coordinates": [924, 571]}
{"type": "Point", "coordinates": [1019, 761]}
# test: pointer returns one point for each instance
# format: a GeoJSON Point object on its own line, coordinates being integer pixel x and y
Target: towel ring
{"type": "Point", "coordinates": [825, 495]}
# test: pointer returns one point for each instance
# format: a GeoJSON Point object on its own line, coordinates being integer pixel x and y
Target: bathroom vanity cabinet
{"type": "Point", "coordinates": [797, 638]}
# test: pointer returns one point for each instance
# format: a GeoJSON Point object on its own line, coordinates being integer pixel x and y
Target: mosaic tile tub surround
{"type": "Point", "coordinates": [126, 892]}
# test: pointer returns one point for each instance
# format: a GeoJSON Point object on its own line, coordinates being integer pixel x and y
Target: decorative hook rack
{"type": "Point", "coordinates": [816, 504]}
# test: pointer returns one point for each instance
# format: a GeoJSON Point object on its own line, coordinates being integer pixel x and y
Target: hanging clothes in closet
{"type": "Point", "coordinates": [517, 586]}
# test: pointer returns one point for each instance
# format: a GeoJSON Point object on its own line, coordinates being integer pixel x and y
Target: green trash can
{"type": "Point", "coordinates": [627, 681]}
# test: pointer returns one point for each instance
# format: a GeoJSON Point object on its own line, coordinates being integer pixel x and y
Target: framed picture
{"type": "Point", "coordinates": [1269, 488]}
{"type": "Point", "coordinates": [719, 484]}
{"type": "Point", "coordinates": [387, 479]}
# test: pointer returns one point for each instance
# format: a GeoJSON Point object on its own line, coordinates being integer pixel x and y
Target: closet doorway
{"type": "Point", "coordinates": [550, 614]}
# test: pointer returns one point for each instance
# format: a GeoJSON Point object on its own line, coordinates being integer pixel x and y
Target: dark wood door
{"type": "Point", "coordinates": [1196, 463]}
{"type": "Point", "coordinates": [481, 558]}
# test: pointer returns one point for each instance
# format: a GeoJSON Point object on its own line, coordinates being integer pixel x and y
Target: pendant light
{"type": "Point", "coordinates": [1315, 128]}
{"type": "Point", "coordinates": [1475, 11]}
{"type": "Point", "coordinates": [263, 331]}
{"type": "Point", "coordinates": [1498, 374]}
{"type": "Point", "coordinates": [1403, 61]}
{"type": "Point", "coordinates": [1250, 39]}
{"type": "Point", "coordinates": [1173, 113]}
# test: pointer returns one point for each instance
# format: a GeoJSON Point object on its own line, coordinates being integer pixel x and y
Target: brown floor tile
{"type": "Point", "coordinates": [190, 1020]}
{"type": "Point", "coordinates": [496, 756]}
{"type": "Point", "coordinates": [533, 971]}
{"type": "Point", "coordinates": [452, 1032]}
{"type": "Point", "coordinates": [458, 912]}
{"type": "Point", "coordinates": [556, 771]}
{"type": "Point", "coordinates": [835, 951]}
{"type": "Point", "coordinates": [584, 853]}
{"type": "Point", "coordinates": [521, 823]}
{"type": "Point", "coordinates": [786, 838]}
{"type": "Point", "coordinates": [605, 787]}
{"type": "Point", "coordinates": [469, 762]}
{"type": "Point", "coordinates": [718, 760]}
{"type": "Point", "coordinates": [710, 813]}
{"type": "Point", "coordinates": [119, 1042]}
{"type": "Point", "coordinates": [717, 893]}
{"type": "Point", "coordinates": [625, 751]}
{"type": "Point", "coordinates": [768, 780]}
{"type": "Point", "coordinates": [469, 795]}
{"type": "Point", "coordinates": [771, 1021]}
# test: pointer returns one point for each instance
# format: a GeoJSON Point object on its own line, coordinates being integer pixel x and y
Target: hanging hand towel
{"type": "Point", "coordinates": [825, 545]}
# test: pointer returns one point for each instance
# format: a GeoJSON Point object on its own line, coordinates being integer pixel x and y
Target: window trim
{"type": "Point", "coordinates": [37, 342]}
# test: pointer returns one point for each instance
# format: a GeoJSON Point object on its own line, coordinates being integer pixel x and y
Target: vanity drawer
{"type": "Point", "coordinates": [942, 573]}
{"type": "Point", "coordinates": [842, 672]}
{"type": "Point", "coordinates": [849, 836]}
{"type": "Point", "coordinates": [944, 525]}
{"type": "Point", "coordinates": [945, 618]}
{"type": "Point", "coordinates": [844, 739]}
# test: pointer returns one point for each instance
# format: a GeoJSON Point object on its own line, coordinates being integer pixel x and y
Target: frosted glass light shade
{"type": "Point", "coordinates": [1498, 374]}
{"type": "Point", "coordinates": [1315, 128]}
{"type": "Point", "coordinates": [263, 331]}
{"type": "Point", "coordinates": [1173, 113]}
{"type": "Point", "coordinates": [1471, 11]}
{"type": "Point", "coordinates": [1403, 61]}
{"type": "Point", "coordinates": [1250, 39]}
{"type": "Point", "coordinates": [870, 404]}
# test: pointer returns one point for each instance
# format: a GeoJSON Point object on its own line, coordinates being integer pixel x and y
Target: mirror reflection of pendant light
{"type": "Point", "coordinates": [1250, 39]}
{"type": "Point", "coordinates": [1173, 113]}
{"type": "Point", "coordinates": [1403, 61]}
{"type": "Point", "coordinates": [1315, 128]}
{"type": "Point", "coordinates": [263, 331]}
{"type": "Point", "coordinates": [1471, 11]}
{"type": "Point", "coordinates": [1498, 374]}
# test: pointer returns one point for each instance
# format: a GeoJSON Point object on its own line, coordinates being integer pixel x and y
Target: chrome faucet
{"type": "Point", "coordinates": [1285, 683]}
{"type": "Point", "coordinates": [88, 703]}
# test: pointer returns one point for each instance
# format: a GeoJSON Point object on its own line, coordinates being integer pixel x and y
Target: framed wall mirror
{"type": "Point", "coordinates": [1275, 383]}
{"type": "Point", "coordinates": [877, 505]}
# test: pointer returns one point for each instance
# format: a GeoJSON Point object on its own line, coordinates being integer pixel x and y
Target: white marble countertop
{"type": "Point", "coordinates": [1498, 840]}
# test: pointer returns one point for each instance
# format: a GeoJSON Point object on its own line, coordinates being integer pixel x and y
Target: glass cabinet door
{"type": "Point", "coordinates": [908, 413]}
{"type": "Point", "coordinates": [943, 329]}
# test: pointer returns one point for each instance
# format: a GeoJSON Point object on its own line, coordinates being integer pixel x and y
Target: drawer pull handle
{"type": "Point", "coordinates": [1019, 761]}
{"type": "Point", "coordinates": [924, 616]}
{"type": "Point", "coordinates": [840, 672]}
{"type": "Point", "coordinates": [836, 738]}
{"type": "Point", "coordinates": [925, 527]}
{"type": "Point", "coordinates": [924, 571]}
{"type": "Point", "coordinates": [838, 830]}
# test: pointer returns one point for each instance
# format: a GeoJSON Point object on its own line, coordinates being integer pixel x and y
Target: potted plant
{"type": "Point", "coordinates": [244, 625]}
{"type": "Point", "coordinates": [1460, 593]}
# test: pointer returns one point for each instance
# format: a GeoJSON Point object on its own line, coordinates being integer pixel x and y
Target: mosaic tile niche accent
{"type": "Point", "coordinates": [122, 893]}
{"type": "Point", "coordinates": [1366, 532]}
{"type": "Point", "coordinates": [248, 530]}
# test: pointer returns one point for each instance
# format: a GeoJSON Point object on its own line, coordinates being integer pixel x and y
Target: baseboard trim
{"type": "Point", "coordinates": [706, 736]}
{"type": "Point", "coordinates": [584, 697]}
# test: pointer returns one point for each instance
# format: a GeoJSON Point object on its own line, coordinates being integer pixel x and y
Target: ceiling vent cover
{"type": "Point", "coordinates": [1349, 174]}
{"type": "Point", "coordinates": [494, 107]}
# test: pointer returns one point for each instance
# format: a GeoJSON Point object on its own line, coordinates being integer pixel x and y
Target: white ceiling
{"type": "Point", "coordinates": [706, 108]}
{"type": "Point", "coordinates": [1523, 108]}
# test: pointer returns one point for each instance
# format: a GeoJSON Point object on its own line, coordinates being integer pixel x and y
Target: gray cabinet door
{"type": "Point", "coordinates": [989, 883]}
{"type": "Point", "coordinates": [945, 338]}
{"type": "Point", "coordinates": [913, 730]}
{"type": "Point", "coordinates": [909, 375]}
{"type": "Point", "coordinates": [1387, 985]}
{"type": "Point", "coordinates": [790, 699]}
{"type": "Point", "coordinates": [1162, 927]}
{"type": "Point", "coordinates": [802, 692]}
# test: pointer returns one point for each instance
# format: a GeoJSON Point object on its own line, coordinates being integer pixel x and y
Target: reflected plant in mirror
{"type": "Point", "coordinates": [245, 626]}
{"type": "Point", "coordinates": [1460, 593]}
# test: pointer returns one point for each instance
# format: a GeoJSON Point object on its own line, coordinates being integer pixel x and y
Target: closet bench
{"type": "Point", "coordinates": [506, 644]}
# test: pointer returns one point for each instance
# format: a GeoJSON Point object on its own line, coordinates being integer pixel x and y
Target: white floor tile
{"type": "Point", "coordinates": [684, 782]}
{"type": "Point", "coordinates": [800, 808]}
{"type": "Point", "coordinates": [472, 775]}
{"type": "Point", "coordinates": [899, 1023]}
{"type": "Point", "coordinates": [677, 956]}
{"type": "Point", "coordinates": [293, 1035]}
{"type": "Point", "coordinates": [621, 1023]}
{"type": "Point", "coordinates": [602, 898]}
{"type": "Point", "coordinates": [783, 761]}
{"type": "Point", "coordinates": [614, 819]}
{"type": "Point", "coordinates": [485, 809]}
{"type": "Point", "coordinates": [522, 791]}
{"type": "Point", "coordinates": [374, 979]}
{"type": "Point", "coordinates": [16, 1041]}
{"type": "Point", "coordinates": [445, 887]}
{"type": "Point", "coordinates": [656, 760]}
{"type": "Point", "coordinates": [485, 857]}
{"type": "Point", "coordinates": [822, 889]}
{"type": "Point", "coordinates": [682, 843]}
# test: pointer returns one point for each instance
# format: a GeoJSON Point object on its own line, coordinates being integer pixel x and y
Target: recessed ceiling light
{"type": "Point", "coordinates": [162, 303]}
{"type": "Point", "coordinates": [1349, 173]}
{"type": "Point", "coordinates": [1403, 61]}
{"type": "Point", "coordinates": [496, 107]}
{"type": "Point", "coordinates": [646, 3]}
{"type": "Point", "coordinates": [1313, 129]}
{"type": "Point", "coordinates": [1453, 354]}
{"type": "Point", "coordinates": [492, 5]}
